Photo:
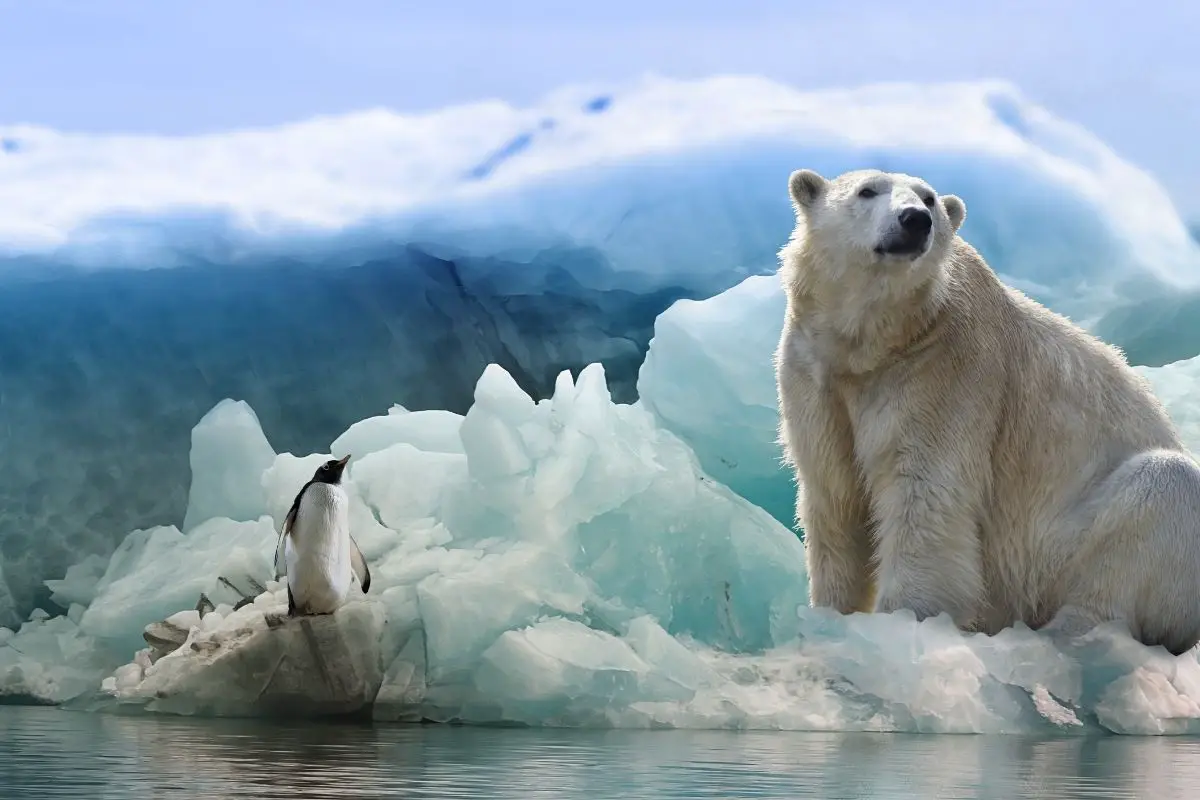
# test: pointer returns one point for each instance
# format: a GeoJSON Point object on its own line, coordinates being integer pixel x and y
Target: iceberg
{"type": "Point", "coordinates": [559, 562]}
{"type": "Point", "coordinates": [574, 509]}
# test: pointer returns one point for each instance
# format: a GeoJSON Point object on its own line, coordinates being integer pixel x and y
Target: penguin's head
{"type": "Point", "coordinates": [331, 471]}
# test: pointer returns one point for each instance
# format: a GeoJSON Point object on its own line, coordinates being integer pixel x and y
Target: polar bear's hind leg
{"type": "Point", "coordinates": [1139, 559]}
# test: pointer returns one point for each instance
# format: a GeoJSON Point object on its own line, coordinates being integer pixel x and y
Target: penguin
{"type": "Point", "coordinates": [318, 550]}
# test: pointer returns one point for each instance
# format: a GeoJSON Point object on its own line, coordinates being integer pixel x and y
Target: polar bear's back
{"type": "Point", "coordinates": [1068, 411]}
{"type": "Point", "coordinates": [1064, 386]}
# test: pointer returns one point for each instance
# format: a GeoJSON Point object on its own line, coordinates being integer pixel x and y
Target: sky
{"type": "Point", "coordinates": [1128, 71]}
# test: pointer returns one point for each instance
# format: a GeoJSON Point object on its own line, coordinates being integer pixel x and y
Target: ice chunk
{"type": "Point", "coordinates": [401, 695]}
{"type": "Point", "coordinates": [159, 572]}
{"type": "Point", "coordinates": [563, 670]}
{"type": "Point", "coordinates": [429, 476]}
{"type": "Point", "coordinates": [430, 431]}
{"type": "Point", "coordinates": [228, 457]}
{"type": "Point", "coordinates": [166, 637]}
{"type": "Point", "coordinates": [81, 581]}
{"type": "Point", "coordinates": [494, 447]}
{"type": "Point", "coordinates": [258, 662]}
{"type": "Point", "coordinates": [283, 479]}
{"type": "Point", "coordinates": [708, 377]}
{"type": "Point", "coordinates": [1177, 385]}
{"type": "Point", "coordinates": [50, 661]}
{"type": "Point", "coordinates": [493, 592]}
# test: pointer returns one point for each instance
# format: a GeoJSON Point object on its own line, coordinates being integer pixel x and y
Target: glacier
{"type": "Point", "coordinates": [545, 337]}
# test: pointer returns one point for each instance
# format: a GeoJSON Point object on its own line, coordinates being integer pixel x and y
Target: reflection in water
{"type": "Point", "coordinates": [47, 753]}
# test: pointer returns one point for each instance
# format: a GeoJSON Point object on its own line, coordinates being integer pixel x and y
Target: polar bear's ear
{"type": "Point", "coordinates": [805, 187]}
{"type": "Point", "coordinates": [956, 210]}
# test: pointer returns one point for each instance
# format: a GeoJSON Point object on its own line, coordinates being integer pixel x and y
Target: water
{"type": "Point", "coordinates": [48, 753]}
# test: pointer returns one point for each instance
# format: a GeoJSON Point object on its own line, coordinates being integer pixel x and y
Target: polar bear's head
{"type": "Point", "coordinates": [891, 225]}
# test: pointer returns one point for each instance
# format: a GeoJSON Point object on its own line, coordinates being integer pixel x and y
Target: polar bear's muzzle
{"type": "Point", "coordinates": [909, 236]}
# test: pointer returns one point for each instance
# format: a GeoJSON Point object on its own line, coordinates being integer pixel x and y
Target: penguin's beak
{"type": "Point", "coordinates": [338, 467]}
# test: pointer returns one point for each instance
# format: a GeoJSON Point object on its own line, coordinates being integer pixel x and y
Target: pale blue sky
{"type": "Point", "coordinates": [1129, 71]}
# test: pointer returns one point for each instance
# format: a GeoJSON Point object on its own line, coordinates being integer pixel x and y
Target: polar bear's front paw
{"type": "Point", "coordinates": [925, 608]}
{"type": "Point", "coordinates": [922, 607]}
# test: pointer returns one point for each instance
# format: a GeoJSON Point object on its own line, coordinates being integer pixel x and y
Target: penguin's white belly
{"type": "Point", "coordinates": [318, 550]}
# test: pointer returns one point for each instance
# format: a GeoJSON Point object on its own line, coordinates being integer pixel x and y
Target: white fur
{"type": "Point", "coordinates": [961, 448]}
{"type": "Point", "coordinates": [318, 550]}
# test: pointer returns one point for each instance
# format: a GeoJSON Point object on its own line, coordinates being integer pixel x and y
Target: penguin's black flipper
{"type": "Point", "coordinates": [279, 559]}
{"type": "Point", "coordinates": [359, 565]}
{"type": "Point", "coordinates": [291, 603]}
{"type": "Point", "coordinates": [286, 529]}
{"type": "Point", "coordinates": [290, 519]}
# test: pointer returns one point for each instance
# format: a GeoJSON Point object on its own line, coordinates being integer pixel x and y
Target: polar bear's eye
{"type": "Point", "coordinates": [867, 193]}
{"type": "Point", "coordinates": [928, 200]}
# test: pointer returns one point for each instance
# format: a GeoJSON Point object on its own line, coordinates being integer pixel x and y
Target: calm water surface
{"type": "Point", "coordinates": [51, 753]}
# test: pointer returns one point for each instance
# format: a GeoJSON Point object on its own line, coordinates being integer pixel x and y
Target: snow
{"type": "Point", "coordinates": [544, 550]}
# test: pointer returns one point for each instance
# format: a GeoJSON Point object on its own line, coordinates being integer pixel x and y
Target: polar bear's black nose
{"type": "Point", "coordinates": [916, 221]}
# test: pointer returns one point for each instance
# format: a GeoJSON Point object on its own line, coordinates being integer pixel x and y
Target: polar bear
{"type": "Point", "coordinates": [961, 448]}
